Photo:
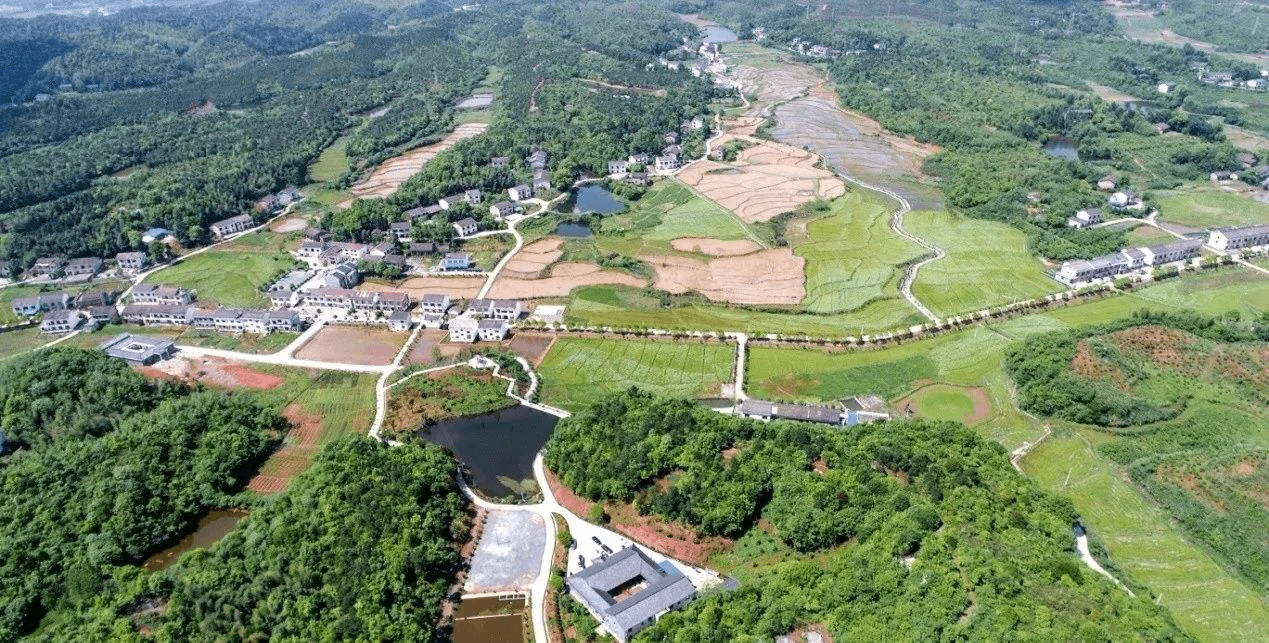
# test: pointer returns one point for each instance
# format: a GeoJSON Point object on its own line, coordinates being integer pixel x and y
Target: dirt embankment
{"type": "Point", "coordinates": [715, 247]}
{"type": "Point", "coordinates": [390, 174]}
{"type": "Point", "coordinates": [767, 277]}
{"type": "Point", "coordinates": [298, 449]}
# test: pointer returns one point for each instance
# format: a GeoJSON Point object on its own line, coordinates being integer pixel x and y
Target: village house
{"type": "Point", "coordinates": [399, 321]}
{"type": "Point", "coordinates": [767, 411]}
{"type": "Point", "coordinates": [667, 164]}
{"type": "Point", "coordinates": [61, 321]}
{"type": "Point", "coordinates": [316, 234]}
{"type": "Point", "coordinates": [520, 192]}
{"type": "Point", "coordinates": [95, 298]}
{"type": "Point", "coordinates": [311, 249]}
{"type": "Point", "coordinates": [466, 227]}
{"type": "Point", "coordinates": [400, 230]}
{"type": "Point", "coordinates": [159, 314]}
{"type": "Point", "coordinates": [670, 138]}
{"type": "Point", "coordinates": [508, 309]}
{"type": "Point", "coordinates": [381, 250]}
{"type": "Point", "coordinates": [538, 160]}
{"type": "Point", "coordinates": [503, 209]}
{"type": "Point", "coordinates": [284, 298]}
{"type": "Point", "coordinates": [541, 181]}
{"type": "Point", "coordinates": [423, 212]}
{"type": "Point", "coordinates": [152, 293]}
{"type": "Point", "coordinates": [472, 197]}
{"type": "Point", "coordinates": [83, 266]}
{"type": "Point", "coordinates": [451, 201]}
{"type": "Point", "coordinates": [479, 308]}
{"type": "Point", "coordinates": [499, 162]}
{"type": "Point", "coordinates": [45, 267]}
{"type": "Point", "coordinates": [434, 304]}
{"type": "Point", "coordinates": [627, 592]}
{"type": "Point", "coordinates": [463, 329]}
{"type": "Point", "coordinates": [618, 167]}
{"type": "Point", "coordinates": [203, 319]}
{"type": "Point", "coordinates": [1239, 238]}
{"type": "Point", "coordinates": [638, 178]}
{"type": "Point", "coordinates": [330, 297]}
{"type": "Point", "coordinates": [132, 261]}
{"type": "Point", "coordinates": [138, 349]}
{"type": "Point", "coordinates": [638, 159]}
{"type": "Point", "coordinates": [392, 300]}
{"type": "Point", "coordinates": [1162, 128]}
{"type": "Point", "coordinates": [155, 234]}
{"type": "Point", "coordinates": [1180, 250]}
{"type": "Point", "coordinates": [492, 330]}
{"type": "Point", "coordinates": [341, 275]}
{"type": "Point", "coordinates": [1085, 218]}
{"type": "Point", "coordinates": [232, 225]}
{"type": "Point", "coordinates": [431, 320]}
{"type": "Point", "coordinates": [672, 150]}
{"type": "Point", "coordinates": [1124, 199]}
{"type": "Point", "coordinates": [456, 261]}
{"type": "Point", "coordinates": [284, 319]}
{"type": "Point", "coordinates": [36, 304]}
{"type": "Point", "coordinates": [102, 315]}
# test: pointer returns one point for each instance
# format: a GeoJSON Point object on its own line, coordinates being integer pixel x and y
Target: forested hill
{"type": "Point", "coordinates": [894, 531]}
{"type": "Point", "coordinates": [362, 545]}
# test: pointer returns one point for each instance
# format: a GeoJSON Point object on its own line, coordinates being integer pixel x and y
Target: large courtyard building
{"type": "Point", "coordinates": [627, 592]}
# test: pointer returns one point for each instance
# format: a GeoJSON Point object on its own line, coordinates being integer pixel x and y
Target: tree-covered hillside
{"type": "Point", "coordinates": [894, 531]}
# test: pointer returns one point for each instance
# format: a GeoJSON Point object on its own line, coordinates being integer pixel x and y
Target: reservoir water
{"type": "Point", "coordinates": [573, 230]}
{"type": "Point", "coordinates": [499, 444]}
{"type": "Point", "coordinates": [211, 528]}
{"type": "Point", "coordinates": [1061, 148]}
{"type": "Point", "coordinates": [717, 34]}
{"type": "Point", "coordinates": [595, 198]}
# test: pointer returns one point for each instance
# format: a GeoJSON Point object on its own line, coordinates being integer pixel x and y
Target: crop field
{"type": "Point", "coordinates": [16, 342]}
{"type": "Point", "coordinates": [373, 345]}
{"type": "Point", "coordinates": [331, 163]}
{"type": "Point", "coordinates": [225, 277]}
{"type": "Point", "coordinates": [1145, 235]}
{"type": "Point", "coordinates": [631, 307]}
{"type": "Point", "coordinates": [852, 256]}
{"type": "Point", "coordinates": [1211, 208]}
{"type": "Point", "coordinates": [987, 264]}
{"type": "Point", "coordinates": [1204, 599]}
{"type": "Point", "coordinates": [578, 371]}
{"type": "Point", "coordinates": [669, 210]}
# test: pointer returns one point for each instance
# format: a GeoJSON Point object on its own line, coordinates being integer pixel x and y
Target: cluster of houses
{"type": "Point", "coordinates": [637, 169]}
{"type": "Point", "coordinates": [159, 305]}
{"type": "Point", "coordinates": [852, 411]}
{"type": "Point", "coordinates": [64, 313]}
{"type": "Point", "coordinates": [1132, 260]}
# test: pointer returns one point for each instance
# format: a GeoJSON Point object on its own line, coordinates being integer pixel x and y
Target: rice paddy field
{"type": "Point", "coordinates": [578, 371]}
{"type": "Point", "coordinates": [987, 264]}
{"type": "Point", "coordinates": [1212, 208]}
{"type": "Point", "coordinates": [852, 256]}
{"type": "Point", "coordinates": [669, 210]}
{"type": "Point", "coordinates": [228, 278]}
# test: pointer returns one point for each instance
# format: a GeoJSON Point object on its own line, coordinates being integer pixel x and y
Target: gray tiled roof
{"type": "Point", "coordinates": [666, 586]}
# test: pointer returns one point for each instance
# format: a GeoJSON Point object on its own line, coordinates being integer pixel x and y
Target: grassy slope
{"type": "Point", "coordinates": [852, 256]}
{"type": "Point", "coordinates": [230, 278]}
{"type": "Point", "coordinates": [331, 163]}
{"type": "Point", "coordinates": [344, 401]}
{"type": "Point", "coordinates": [987, 264]}
{"type": "Point", "coordinates": [578, 371]}
{"type": "Point", "coordinates": [1210, 208]}
{"type": "Point", "coordinates": [1206, 600]}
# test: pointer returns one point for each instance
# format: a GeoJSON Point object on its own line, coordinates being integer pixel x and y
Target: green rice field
{"type": "Point", "coordinates": [578, 371]}
{"type": "Point", "coordinates": [1212, 208]}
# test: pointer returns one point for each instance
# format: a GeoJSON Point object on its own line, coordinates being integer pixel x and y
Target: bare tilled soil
{"type": "Point", "coordinates": [390, 174]}
{"type": "Point", "coordinates": [562, 279]}
{"type": "Point", "coordinates": [373, 346]}
{"type": "Point", "coordinates": [715, 247]}
{"type": "Point", "coordinates": [533, 259]}
{"type": "Point", "coordinates": [766, 180]}
{"type": "Point", "coordinates": [767, 277]}
{"type": "Point", "coordinates": [776, 84]}
{"type": "Point", "coordinates": [455, 287]}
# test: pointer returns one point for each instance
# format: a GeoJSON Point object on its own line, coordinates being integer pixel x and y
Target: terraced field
{"type": "Point", "coordinates": [578, 371]}
{"type": "Point", "coordinates": [987, 264]}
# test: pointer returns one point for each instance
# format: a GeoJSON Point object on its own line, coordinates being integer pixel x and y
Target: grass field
{"type": "Point", "coordinates": [987, 264]}
{"type": "Point", "coordinates": [941, 402]}
{"type": "Point", "coordinates": [1212, 208]}
{"type": "Point", "coordinates": [1145, 235]}
{"type": "Point", "coordinates": [669, 210]}
{"type": "Point", "coordinates": [1204, 599]}
{"type": "Point", "coordinates": [852, 256]}
{"type": "Point", "coordinates": [631, 307]}
{"type": "Point", "coordinates": [229, 278]}
{"type": "Point", "coordinates": [578, 371]}
{"type": "Point", "coordinates": [331, 163]}
{"type": "Point", "coordinates": [16, 342]}
{"type": "Point", "coordinates": [345, 402]}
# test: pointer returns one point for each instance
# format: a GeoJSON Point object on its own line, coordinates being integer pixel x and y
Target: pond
{"type": "Point", "coordinates": [573, 230]}
{"type": "Point", "coordinates": [211, 528]}
{"type": "Point", "coordinates": [495, 445]}
{"type": "Point", "coordinates": [1062, 148]}
{"type": "Point", "coordinates": [490, 618]}
{"type": "Point", "coordinates": [595, 198]}
{"type": "Point", "coordinates": [717, 34]}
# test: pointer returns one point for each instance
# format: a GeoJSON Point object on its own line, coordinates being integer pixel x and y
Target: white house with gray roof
{"type": "Point", "coordinates": [1239, 238]}
{"type": "Point", "coordinates": [627, 592]}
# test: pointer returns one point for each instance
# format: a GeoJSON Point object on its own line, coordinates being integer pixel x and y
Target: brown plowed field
{"type": "Point", "coordinates": [390, 174]}
{"type": "Point", "coordinates": [294, 456]}
{"type": "Point", "coordinates": [533, 259]}
{"type": "Point", "coordinates": [455, 287]}
{"type": "Point", "coordinates": [767, 179]}
{"type": "Point", "coordinates": [715, 247]}
{"type": "Point", "coordinates": [564, 277]}
{"type": "Point", "coordinates": [372, 346]}
{"type": "Point", "coordinates": [767, 277]}
{"type": "Point", "coordinates": [212, 371]}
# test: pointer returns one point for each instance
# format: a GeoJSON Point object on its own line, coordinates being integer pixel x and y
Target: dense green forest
{"type": "Point", "coordinates": [109, 467]}
{"type": "Point", "coordinates": [1185, 397]}
{"type": "Point", "coordinates": [129, 465]}
{"type": "Point", "coordinates": [902, 530]}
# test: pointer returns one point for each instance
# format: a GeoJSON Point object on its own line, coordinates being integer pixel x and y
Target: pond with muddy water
{"type": "Point", "coordinates": [495, 447]}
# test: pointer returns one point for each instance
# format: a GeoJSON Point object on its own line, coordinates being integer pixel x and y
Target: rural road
{"type": "Point", "coordinates": [1081, 544]}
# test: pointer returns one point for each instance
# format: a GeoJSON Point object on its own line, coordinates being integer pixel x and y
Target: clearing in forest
{"type": "Point", "coordinates": [385, 179]}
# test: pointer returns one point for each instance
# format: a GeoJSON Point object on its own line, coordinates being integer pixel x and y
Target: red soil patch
{"type": "Point", "coordinates": [728, 454]}
{"type": "Point", "coordinates": [819, 466]}
{"type": "Point", "coordinates": [532, 346]}
{"type": "Point", "coordinates": [1090, 366]}
{"type": "Point", "coordinates": [1190, 483]}
{"type": "Point", "coordinates": [212, 371]}
{"type": "Point", "coordinates": [677, 541]}
{"type": "Point", "coordinates": [295, 455]}
{"type": "Point", "coordinates": [249, 378]}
